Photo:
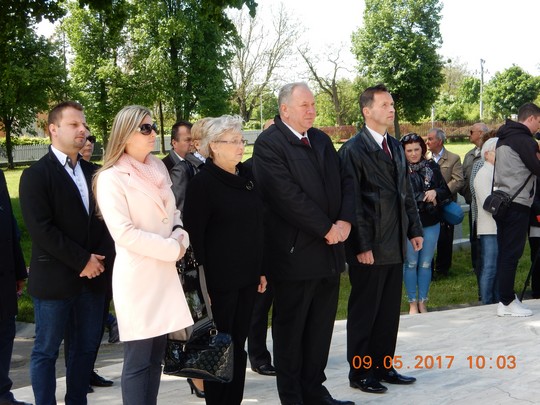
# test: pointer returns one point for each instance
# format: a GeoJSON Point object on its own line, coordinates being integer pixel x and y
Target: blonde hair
{"type": "Point", "coordinates": [198, 133]}
{"type": "Point", "coordinates": [215, 128]}
{"type": "Point", "coordinates": [125, 123]}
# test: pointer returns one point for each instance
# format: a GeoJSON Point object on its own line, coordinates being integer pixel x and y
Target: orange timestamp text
{"type": "Point", "coordinates": [479, 362]}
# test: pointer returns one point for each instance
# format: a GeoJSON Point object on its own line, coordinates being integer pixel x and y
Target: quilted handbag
{"type": "Point", "coordinates": [208, 356]}
{"type": "Point", "coordinates": [199, 351]}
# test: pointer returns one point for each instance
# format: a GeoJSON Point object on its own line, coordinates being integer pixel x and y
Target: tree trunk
{"type": "Point", "coordinates": [397, 133]}
{"type": "Point", "coordinates": [161, 126]}
{"type": "Point", "coordinates": [9, 146]}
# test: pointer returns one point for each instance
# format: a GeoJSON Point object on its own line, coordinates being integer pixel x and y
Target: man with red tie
{"type": "Point", "coordinates": [308, 213]}
{"type": "Point", "coordinates": [386, 216]}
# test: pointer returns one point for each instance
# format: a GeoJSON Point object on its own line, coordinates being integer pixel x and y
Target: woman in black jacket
{"type": "Point", "coordinates": [223, 216]}
{"type": "Point", "coordinates": [430, 190]}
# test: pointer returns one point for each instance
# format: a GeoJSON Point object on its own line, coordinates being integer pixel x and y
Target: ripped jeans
{"type": "Point", "coordinates": [417, 266]}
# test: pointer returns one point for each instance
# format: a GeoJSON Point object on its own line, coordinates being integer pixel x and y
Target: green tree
{"type": "Point", "coordinates": [97, 37]}
{"type": "Point", "coordinates": [398, 46]}
{"type": "Point", "coordinates": [510, 89]}
{"type": "Point", "coordinates": [30, 72]}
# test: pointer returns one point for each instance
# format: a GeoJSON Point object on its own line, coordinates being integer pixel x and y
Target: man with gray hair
{"type": "Point", "coordinates": [451, 169]}
{"type": "Point", "coordinates": [475, 137]}
{"type": "Point", "coordinates": [309, 210]}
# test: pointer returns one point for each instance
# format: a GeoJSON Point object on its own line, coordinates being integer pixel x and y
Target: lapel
{"type": "Point", "coordinates": [66, 179]}
{"type": "Point", "coordinates": [173, 156]}
{"type": "Point", "coordinates": [88, 171]}
{"type": "Point", "coordinates": [376, 151]}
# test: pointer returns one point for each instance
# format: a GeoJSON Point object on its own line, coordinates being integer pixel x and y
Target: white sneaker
{"type": "Point", "coordinates": [515, 308]}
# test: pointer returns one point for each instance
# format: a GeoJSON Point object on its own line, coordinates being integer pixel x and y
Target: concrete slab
{"type": "Point", "coordinates": [461, 356]}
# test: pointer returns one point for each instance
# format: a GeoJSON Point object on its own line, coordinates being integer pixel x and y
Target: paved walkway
{"type": "Point", "coordinates": [461, 356]}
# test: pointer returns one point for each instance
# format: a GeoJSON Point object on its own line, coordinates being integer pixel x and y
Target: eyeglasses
{"type": "Point", "coordinates": [237, 142]}
{"type": "Point", "coordinates": [91, 139]}
{"type": "Point", "coordinates": [146, 129]}
{"type": "Point", "coordinates": [410, 137]}
{"type": "Point", "coordinates": [472, 132]}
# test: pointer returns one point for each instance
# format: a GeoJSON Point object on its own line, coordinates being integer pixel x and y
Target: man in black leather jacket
{"type": "Point", "coordinates": [386, 216]}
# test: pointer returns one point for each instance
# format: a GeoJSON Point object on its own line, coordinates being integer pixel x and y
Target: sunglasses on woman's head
{"type": "Point", "coordinates": [146, 129]}
{"type": "Point", "coordinates": [91, 139]}
{"type": "Point", "coordinates": [410, 137]}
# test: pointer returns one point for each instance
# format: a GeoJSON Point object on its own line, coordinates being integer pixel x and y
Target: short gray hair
{"type": "Point", "coordinates": [216, 127]}
{"type": "Point", "coordinates": [439, 133]}
{"type": "Point", "coordinates": [489, 145]}
{"type": "Point", "coordinates": [286, 91]}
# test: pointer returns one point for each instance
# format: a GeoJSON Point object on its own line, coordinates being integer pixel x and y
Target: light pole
{"type": "Point", "coordinates": [482, 61]}
{"type": "Point", "coordinates": [262, 123]}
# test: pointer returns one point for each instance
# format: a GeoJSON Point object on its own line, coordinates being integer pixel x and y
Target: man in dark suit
{"type": "Point", "coordinates": [308, 215]}
{"type": "Point", "coordinates": [181, 164]}
{"type": "Point", "coordinates": [12, 277]}
{"type": "Point", "coordinates": [386, 216]}
{"type": "Point", "coordinates": [69, 248]}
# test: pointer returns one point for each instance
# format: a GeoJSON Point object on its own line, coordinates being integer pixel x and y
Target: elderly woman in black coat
{"type": "Point", "coordinates": [223, 216]}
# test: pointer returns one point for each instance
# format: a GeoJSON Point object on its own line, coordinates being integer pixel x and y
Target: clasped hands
{"type": "Point", "coordinates": [94, 267]}
{"type": "Point", "coordinates": [339, 232]}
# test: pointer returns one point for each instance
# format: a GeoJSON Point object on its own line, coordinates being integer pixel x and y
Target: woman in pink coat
{"type": "Point", "coordinates": [133, 191]}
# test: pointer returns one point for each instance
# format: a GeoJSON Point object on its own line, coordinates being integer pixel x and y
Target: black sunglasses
{"type": "Point", "coordinates": [146, 129]}
{"type": "Point", "coordinates": [410, 137]}
{"type": "Point", "coordinates": [91, 139]}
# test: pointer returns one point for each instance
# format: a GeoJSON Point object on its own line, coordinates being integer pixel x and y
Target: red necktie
{"type": "Point", "coordinates": [385, 148]}
{"type": "Point", "coordinates": [305, 140]}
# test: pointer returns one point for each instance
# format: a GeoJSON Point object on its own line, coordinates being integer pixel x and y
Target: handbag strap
{"type": "Point", "coordinates": [517, 192]}
{"type": "Point", "coordinates": [204, 290]}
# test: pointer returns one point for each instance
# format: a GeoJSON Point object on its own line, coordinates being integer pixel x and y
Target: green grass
{"type": "Point", "coordinates": [460, 288]}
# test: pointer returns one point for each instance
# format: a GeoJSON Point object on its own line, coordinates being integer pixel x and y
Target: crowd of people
{"type": "Point", "coordinates": [276, 230]}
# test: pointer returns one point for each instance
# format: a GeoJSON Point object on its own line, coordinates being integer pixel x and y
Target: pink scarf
{"type": "Point", "coordinates": [152, 173]}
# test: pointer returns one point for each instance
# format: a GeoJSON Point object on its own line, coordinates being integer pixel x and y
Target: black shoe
{"type": "Point", "coordinates": [98, 381]}
{"type": "Point", "coordinates": [114, 335]}
{"type": "Point", "coordinates": [13, 401]}
{"type": "Point", "coordinates": [89, 390]}
{"type": "Point", "coordinates": [393, 377]}
{"type": "Point", "coordinates": [370, 385]}
{"type": "Point", "coordinates": [328, 400]}
{"type": "Point", "coordinates": [265, 369]}
{"type": "Point", "coordinates": [194, 389]}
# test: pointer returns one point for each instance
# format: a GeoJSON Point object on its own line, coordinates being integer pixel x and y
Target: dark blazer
{"type": "Point", "coordinates": [386, 213]}
{"type": "Point", "coordinates": [304, 195]}
{"type": "Point", "coordinates": [170, 160]}
{"type": "Point", "coordinates": [180, 177]}
{"type": "Point", "coordinates": [63, 233]}
{"type": "Point", "coordinates": [12, 266]}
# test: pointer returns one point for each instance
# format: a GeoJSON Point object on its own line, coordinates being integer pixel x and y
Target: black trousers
{"type": "Point", "coordinates": [373, 317]}
{"type": "Point", "coordinates": [535, 279]}
{"type": "Point", "coordinates": [232, 314]}
{"type": "Point", "coordinates": [302, 325]}
{"type": "Point", "coordinates": [443, 261]}
{"type": "Point", "coordinates": [511, 237]}
{"type": "Point", "coordinates": [257, 351]}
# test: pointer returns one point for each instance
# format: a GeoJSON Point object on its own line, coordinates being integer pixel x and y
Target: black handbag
{"type": "Point", "coordinates": [498, 201]}
{"type": "Point", "coordinates": [199, 351]}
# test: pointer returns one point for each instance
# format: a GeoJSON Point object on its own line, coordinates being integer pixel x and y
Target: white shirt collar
{"type": "Point", "coordinates": [376, 136]}
{"type": "Point", "coordinates": [298, 134]}
{"type": "Point", "coordinates": [61, 156]}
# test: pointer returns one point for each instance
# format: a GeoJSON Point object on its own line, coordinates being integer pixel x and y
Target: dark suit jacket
{"type": "Point", "coordinates": [386, 213]}
{"type": "Point", "coordinates": [12, 267]}
{"type": "Point", "coordinates": [304, 195]}
{"type": "Point", "coordinates": [63, 233]}
{"type": "Point", "coordinates": [170, 160]}
{"type": "Point", "coordinates": [180, 176]}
